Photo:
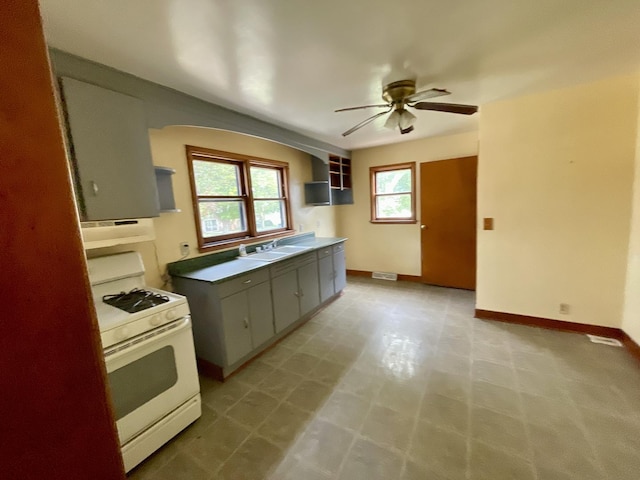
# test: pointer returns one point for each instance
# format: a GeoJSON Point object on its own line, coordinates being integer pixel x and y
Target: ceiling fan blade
{"type": "Point", "coordinates": [365, 122]}
{"type": "Point", "coordinates": [423, 95]}
{"type": "Point", "coordinates": [362, 107]}
{"type": "Point", "coordinates": [447, 107]}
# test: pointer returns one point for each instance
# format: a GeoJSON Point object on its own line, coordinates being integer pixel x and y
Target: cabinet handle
{"type": "Point", "coordinates": [296, 294]}
{"type": "Point", "coordinates": [94, 187]}
{"type": "Point", "coordinates": [246, 323]}
{"type": "Point", "coordinates": [247, 281]}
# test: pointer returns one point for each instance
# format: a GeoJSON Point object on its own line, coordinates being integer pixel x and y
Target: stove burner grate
{"type": "Point", "coordinates": [135, 300]}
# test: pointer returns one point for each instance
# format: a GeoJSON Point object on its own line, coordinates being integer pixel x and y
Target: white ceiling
{"type": "Point", "coordinates": [292, 62]}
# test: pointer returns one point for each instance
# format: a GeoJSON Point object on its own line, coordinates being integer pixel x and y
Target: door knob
{"type": "Point", "coordinates": [423, 227]}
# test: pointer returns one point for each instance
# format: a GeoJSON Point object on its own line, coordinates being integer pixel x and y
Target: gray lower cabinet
{"type": "Point", "coordinates": [247, 320]}
{"type": "Point", "coordinates": [109, 139]}
{"type": "Point", "coordinates": [331, 271]}
{"type": "Point", "coordinates": [236, 318]}
{"type": "Point", "coordinates": [295, 289]}
{"type": "Point", "coordinates": [339, 267]}
{"type": "Point", "coordinates": [326, 273]}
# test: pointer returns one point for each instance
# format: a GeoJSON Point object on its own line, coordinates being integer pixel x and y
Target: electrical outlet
{"type": "Point", "coordinates": [565, 308]}
{"type": "Point", "coordinates": [184, 249]}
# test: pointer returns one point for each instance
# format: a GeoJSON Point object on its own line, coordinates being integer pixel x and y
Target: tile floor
{"type": "Point", "coordinates": [399, 381]}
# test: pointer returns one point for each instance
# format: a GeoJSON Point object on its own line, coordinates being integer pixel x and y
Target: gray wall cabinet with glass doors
{"type": "Point", "coordinates": [111, 157]}
{"type": "Point", "coordinates": [236, 319]}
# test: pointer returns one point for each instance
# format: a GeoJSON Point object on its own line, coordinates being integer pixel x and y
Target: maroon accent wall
{"type": "Point", "coordinates": [55, 419]}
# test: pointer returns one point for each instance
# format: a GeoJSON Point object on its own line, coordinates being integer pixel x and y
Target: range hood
{"type": "Point", "coordinates": [107, 233]}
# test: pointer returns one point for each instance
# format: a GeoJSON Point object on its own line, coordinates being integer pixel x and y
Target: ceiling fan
{"type": "Point", "coordinates": [402, 94]}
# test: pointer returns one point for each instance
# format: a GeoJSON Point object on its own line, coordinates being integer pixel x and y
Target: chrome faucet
{"type": "Point", "coordinates": [271, 245]}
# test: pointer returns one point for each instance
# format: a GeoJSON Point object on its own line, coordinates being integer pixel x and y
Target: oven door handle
{"type": "Point", "coordinates": [117, 351]}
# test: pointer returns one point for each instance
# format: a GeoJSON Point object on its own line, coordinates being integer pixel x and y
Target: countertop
{"type": "Point", "coordinates": [234, 268]}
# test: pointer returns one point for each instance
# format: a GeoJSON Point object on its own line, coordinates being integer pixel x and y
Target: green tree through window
{"type": "Point", "coordinates": [392, 193]}
{"type": "Point", "coordinates": [237, 197]}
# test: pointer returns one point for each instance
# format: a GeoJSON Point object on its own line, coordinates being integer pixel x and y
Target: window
{"type": "Point", "coordinates": [236, 197]}
{"type": "Point", "coordinates": [393, 193]}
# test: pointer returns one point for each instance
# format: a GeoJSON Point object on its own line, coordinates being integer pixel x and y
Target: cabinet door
{"type": "Point", "coordinates": [114, 173]}
{"type": "Point", "coordinates": [340, 271]}
{"type": "Point", "coordinates": [286, 309]}
{"type": "Point", "coordinates": [309, 289]}
{"type": "Point", "coordinates": [235, 321]}
{"type": "Point", "coordinates": [260, 313]}
{"type": "Point", "coordinates": [325, 272]}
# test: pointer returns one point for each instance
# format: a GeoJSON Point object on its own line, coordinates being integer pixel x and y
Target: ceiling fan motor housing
{"type": "Point", "coordinates": [396, 92]}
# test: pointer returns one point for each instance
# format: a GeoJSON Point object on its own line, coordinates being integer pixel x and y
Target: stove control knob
{"type": "Point", "coordinates": [122, 333]}
{"type": "Point", "coordinates": [155, 320]}
{"type": "Point", "coordinates": [170, 314]}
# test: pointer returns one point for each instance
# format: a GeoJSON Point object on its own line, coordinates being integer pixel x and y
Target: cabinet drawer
{"type": "Point", "coordinates": [243, 282]}
{"type": "Point", "coordinates": [338, 248]}
{"type": "Point", "coordinates": [293, 263]}
{"type": "Point", "coordinates": [324, 252]}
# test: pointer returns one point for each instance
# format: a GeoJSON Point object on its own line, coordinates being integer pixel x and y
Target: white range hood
{"type": "Point", "coordinates": [107, 233]}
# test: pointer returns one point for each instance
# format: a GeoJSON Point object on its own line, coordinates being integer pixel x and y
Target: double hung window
{"type": "Point", "coordinates": [236, 197]}
{"type": "Point", "coordinates": [393, 193]}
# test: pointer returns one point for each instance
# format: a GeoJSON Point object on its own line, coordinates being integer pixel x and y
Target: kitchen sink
{"type": "Point", "coordinates": [277, 253]}
{"type": "Point", "coordinates": [290, 249]}
{"type": "Point", "coordinates": [269, 256]}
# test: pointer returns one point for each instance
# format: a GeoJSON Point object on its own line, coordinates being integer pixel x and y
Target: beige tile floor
{"type": "Point", "coordinates": [399, 381]}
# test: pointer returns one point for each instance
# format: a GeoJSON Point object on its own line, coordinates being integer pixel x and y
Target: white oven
{"type": "Point", "coordinates": [150, 357]}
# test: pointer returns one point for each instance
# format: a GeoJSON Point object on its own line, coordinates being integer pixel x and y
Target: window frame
{"type": "Point", "coordinates": [244, 164]}
{"type": "Point", "coordinates": [373, 171]}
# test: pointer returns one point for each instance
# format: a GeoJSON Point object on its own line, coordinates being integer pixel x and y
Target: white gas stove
{"type": "Point", "coordinates": [120, 274]}
{"type": "Point", "coordinates": [148, 348]}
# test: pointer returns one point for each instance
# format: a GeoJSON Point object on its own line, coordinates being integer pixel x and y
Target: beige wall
{"type": "Point", "coordinates": [391, 248]}
{"type": "Point", "coordinates": [556, 171]}
{"type": "Point", "coordinates": [631, 316]}
{"type": "Point", "coordinates": [168, 150]}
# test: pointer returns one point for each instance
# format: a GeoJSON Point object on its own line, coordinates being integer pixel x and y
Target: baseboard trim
{"type": "Point", "coordinates": [550, 324]}
{"type": "Point", "coordinates": [632, 347]}
{"type": "Point", "coordinates": [401, 276]}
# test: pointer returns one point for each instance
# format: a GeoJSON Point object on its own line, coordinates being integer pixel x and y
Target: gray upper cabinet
{"type": "Point", "coordinates": [109, 142]}
{"type": "Point", "coordinates": [331, 183]}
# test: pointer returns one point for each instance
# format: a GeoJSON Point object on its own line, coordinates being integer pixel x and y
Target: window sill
{"type": "Point", "coordinates": [395, 221]}
{"type": "Point", "coordinates": [226, 244]}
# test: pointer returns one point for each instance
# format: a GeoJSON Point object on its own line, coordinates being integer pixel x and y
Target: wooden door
{"type": "Point", "coordinates": [448, 227]}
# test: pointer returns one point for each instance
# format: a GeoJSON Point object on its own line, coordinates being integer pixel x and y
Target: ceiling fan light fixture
{"type": "Point", "coordinates": [407, 119]}
{"type": "Point", "coordinates": [393, 121]}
